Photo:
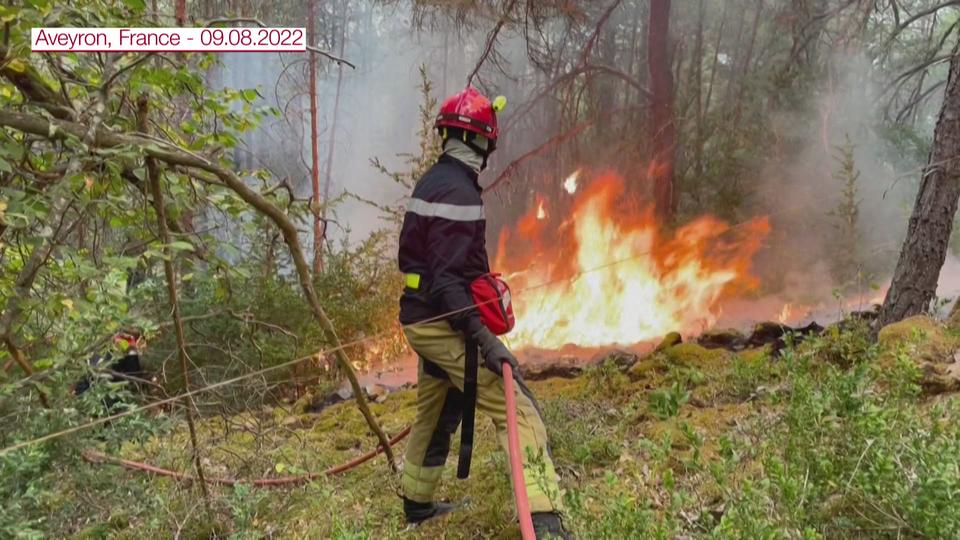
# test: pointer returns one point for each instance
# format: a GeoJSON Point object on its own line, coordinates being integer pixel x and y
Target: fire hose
{"type": "Point", "coordinates": [516, 460]}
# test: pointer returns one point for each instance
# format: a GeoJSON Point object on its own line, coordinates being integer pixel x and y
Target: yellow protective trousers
{"type": "Point", "coordinates": [439, 407]}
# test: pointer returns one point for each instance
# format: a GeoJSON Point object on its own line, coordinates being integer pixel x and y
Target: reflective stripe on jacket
{"type": "Point", "coordinates": [443, 241]}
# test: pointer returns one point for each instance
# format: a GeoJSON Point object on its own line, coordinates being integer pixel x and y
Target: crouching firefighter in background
{"type": "Point", "coordinates": [451, 307]}
{"type": "Point", "coordinates": [125, 372]}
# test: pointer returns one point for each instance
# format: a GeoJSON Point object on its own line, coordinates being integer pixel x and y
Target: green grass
{"type": "Point", "coordinates": [833, 440]}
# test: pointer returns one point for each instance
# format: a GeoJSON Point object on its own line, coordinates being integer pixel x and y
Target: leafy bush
{"type": "Point", "coordinates": [843, 448]}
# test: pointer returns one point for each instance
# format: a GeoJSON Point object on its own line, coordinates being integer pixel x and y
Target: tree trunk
{"type": "Point", "coordinates": [714, 66]}
{"type": "Point", "coordinates": [745, 67]}
{"type": "Point", "coordinates": [153, 178]}
{"type": "Point", "coordinates": [697, 82]}
{"type": "Point", "coordinates": [634, 33]}
{"type": "Point", "coordinates": [314, 144]}
{"type": "Point", "coordinates": [181, 12]}
{"type": "Point", "coordinates": [925, 247]}
{"type": "Point", "coordinates": [662, 131]}
{"type": "Point", "coordinates": [328, 167]}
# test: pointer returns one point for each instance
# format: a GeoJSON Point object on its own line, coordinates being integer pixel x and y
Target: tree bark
{"type": "Point", "coordinates": [745, 67]}
{"type": "Point", "coordinates": [662, 130]}
{"type": "Point", "coordinates": [924, 250]}
{"type": "Point", "coordinates": [181, 12]}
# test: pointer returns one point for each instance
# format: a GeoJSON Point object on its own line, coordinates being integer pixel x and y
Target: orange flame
{"type": "Point", "coordinates": [612, 277]}
{"type": "Point", "coordinates": [785, 313]}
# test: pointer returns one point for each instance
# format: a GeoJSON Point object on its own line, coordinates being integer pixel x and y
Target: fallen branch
{"type": "Point", "coordinates": [94, 456]}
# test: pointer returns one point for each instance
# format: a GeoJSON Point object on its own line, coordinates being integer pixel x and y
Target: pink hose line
{"type": "Point", "coordinates": [516, 459]}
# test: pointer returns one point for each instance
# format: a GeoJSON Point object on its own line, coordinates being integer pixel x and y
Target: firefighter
{"type": "Point", "coordinates": [125, 369]}
{"type": "Point", "coordinates": [442, 250]}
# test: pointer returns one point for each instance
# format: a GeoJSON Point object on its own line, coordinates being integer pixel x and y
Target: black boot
{"type": "Point", "coordinates": [548, 525]}
{"type": "Point", "coordinates": [418, 512]}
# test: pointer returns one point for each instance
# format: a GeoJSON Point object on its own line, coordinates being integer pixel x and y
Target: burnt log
{"type": "Point", "coordinates": [726, 338]}
{"type": "Point", "coordinates": [812, 329]}
{"type": "Point", "coordinates": [799, 334]}
{"type": "Point", "coordinates": [767, 333]}
{"type": "Point", "coordinates": [564, 368]}
{"type": "Point", "coordinates": [622, 359]}
{"type": "Point", "coordinates": [774, 335]}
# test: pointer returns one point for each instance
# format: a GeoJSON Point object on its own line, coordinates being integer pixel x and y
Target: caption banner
{"type": "Point", "coordinates": [168, 39]}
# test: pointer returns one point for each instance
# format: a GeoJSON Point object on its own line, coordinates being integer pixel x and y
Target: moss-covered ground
{"type": "Point", "coordinates": [835, 439]}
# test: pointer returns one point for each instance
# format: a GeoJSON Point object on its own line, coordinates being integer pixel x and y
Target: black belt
{"type": "Point", "coordinates": [469, 407]}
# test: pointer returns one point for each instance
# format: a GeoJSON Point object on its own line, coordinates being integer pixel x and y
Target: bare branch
{"type": "Point", "coordinates": [491, 39]}
{"type": "Point", "coordinates": [569, 77]}
{"type": "Point", "coordinates": [591, 43]}
{"type": "Point", "coordinates": [128, 67]}
{"type": "Point", "coordinates": [336, 59]}
{"type": "Point", "coordinates": [509, 170]}
{"type": "Point", "coordinates": [919, 15]}
{"type": "Point", "coordinates": [234, 20]}
{"type": "Point", "coordinates": [923, 66]}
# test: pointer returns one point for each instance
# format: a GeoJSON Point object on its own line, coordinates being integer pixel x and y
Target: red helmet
{"type": "Point", "coordinates": [130, 337]}
{"type": "Point", "coordinates": [469, 110]}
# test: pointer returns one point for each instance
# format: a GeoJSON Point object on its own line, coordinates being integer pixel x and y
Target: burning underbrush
{"type": "Point", "coordinates": [609, 274]}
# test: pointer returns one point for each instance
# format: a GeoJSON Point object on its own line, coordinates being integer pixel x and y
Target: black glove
{"type": "Point", "coordinates": [494, 352]}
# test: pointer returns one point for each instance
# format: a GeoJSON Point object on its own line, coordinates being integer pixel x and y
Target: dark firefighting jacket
{"type": "Point", "coordinates": [443, 246]}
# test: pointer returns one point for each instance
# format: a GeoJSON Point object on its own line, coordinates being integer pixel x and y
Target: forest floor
{"type": "Point", "coordinates": [835, 437]}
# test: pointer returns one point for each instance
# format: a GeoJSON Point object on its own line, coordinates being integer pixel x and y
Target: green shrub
{"type": "Point", "coordinates": [666, 402]}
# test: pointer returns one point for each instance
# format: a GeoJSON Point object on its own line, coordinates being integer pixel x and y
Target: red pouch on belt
{"type": "Point", "coordinates": [491, 295]}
